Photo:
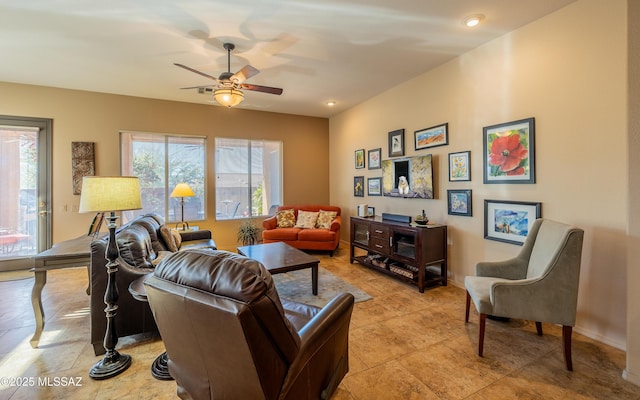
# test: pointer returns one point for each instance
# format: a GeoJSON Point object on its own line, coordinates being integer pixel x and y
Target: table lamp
{"type": "Point", "coordinates": [110, 194]}
{"type": "Point", "coordinates": [182, 190]}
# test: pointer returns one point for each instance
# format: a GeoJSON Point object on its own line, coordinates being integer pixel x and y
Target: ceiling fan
{"type": "Point", "coordinates": [228, 92]}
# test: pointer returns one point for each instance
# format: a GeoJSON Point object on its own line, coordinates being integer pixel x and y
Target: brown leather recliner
{"type": "Point", "coordinates": [228, 335]}
{"type": "Point", "coordinates": [140, 245]}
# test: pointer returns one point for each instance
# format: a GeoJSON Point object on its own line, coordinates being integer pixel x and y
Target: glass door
{"type": "Point", "coordinates": [360, 233]}
{"type": "Point", "coordinates": [404, 244]}
{"type": "Point", "coordinates": [25, 213]}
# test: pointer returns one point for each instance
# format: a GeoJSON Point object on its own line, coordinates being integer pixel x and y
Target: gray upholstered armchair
{"type": "Point", "coordinates": [540, 284]}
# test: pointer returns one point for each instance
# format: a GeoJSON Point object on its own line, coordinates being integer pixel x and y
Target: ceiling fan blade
{"type": "Point", "coordinates": [263, 89]}
{"type": "Point", "coordinates": [198, 87]}
{"type": "Point", "coordinates": [195, 70]}
{"type": "Point", "coordinates": [245, 73]}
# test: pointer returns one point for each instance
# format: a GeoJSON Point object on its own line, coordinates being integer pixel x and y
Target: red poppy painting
{"type": "Point", "coordinates": [508, 152]}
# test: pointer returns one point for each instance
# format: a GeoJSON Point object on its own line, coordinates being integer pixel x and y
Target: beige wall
{"type": "Point", "coordinates": [568, 71]}
{"type": "Point", "coordinates": [94, 117]}
{"type": "Point", "coordinates": [632, 371]}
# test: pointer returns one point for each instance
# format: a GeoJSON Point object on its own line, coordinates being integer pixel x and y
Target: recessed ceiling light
{"type": "Point", "coordinates": [473, 20]}
{"type": "Point", "coordinates": [331, 103]}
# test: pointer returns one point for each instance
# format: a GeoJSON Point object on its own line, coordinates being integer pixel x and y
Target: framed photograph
{"type": "Point", "coordinates": [374, 186]}
{"type": "Point", "coordinates": [396, 143]}
{"type": "Point", "coordinates": [358, 186]}
{"type": "Point", "coordinates": [431, 137]}
{"type": "Point", "coordinates": [360, 159]}
{"type": "Point", "coordinates": [408, 177]}
{"type": "Point", "coordinates": [374, 158]}
{"type": "Point", "coordinates": [371, 211]}
{"type": "Point", "coordinates": [460, 166]}
{"type": "Point", "coordinates": [509, 221]}
{"type": "Point", "coordinates": [459, 202]}
{"type": "Point", "coordinates": [509, 151]}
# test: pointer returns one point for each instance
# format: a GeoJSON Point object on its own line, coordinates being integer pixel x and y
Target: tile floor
{"type": "Point", "coordinates": [403, 345]}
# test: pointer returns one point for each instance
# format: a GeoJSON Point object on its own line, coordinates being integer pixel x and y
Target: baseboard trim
{"type": "Point", "coordinates": [630, 377]}
{"type": "Point", "coordinates": [600, 338]}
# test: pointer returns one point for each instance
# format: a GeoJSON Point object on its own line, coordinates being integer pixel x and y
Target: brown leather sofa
{"type": "Point", "coordinates": [229, 336]}
{"type": "Point", "coordinates": [304, 239]}
{"type": "Point", "coordinates": [141, 245]}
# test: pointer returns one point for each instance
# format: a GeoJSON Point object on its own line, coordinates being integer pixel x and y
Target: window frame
{"type": "Point", "coordinates": [249, 172]}
{"type": "Point", "coordinates": [168, 138]}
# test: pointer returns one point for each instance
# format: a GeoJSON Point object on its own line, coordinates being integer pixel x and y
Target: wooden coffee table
{"type": "Point", "coordinates": [279, 257]}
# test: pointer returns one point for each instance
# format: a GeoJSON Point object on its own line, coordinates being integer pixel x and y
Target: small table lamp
{"type": "Point", "coordinates": [182, 190]}
{"type": "Point", "coordinates": [102, 194]}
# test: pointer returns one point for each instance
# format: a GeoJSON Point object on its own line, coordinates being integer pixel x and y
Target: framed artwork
{"type": "Point", "coordinates": [396, 143]}
{"type": "Point", "coordinates": [358, 186]}
{"type": "Point", "coordinates": [374, 158]}
{"type": "Point", "coordinates": [460, 166]}
{"type": "Point", "coordinates": [509, 221]}
{"type": "Point", "coordinates": [371, 211]}
{"type": "Point", "coordinates": [509, 151]}
{"type": "Point", "coordinates": [459, 202]}
{"type": "Point", "coordinates": [374, 186]}
{"type": "Point", "coordinates": [359, 159]}
{"type": "Point", "coordinates": [431, 137]}
{"type": "Point", "coordinates": [82, 163]}
{"type": "Point", "coordinates": [408, 177]}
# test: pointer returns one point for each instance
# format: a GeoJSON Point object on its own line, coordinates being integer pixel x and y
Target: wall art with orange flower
{"type": "Point", "coordinates": [509, 152]}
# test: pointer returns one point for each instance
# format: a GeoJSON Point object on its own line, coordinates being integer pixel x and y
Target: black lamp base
{"type": "Point", "coordinates": [160, 368]}
{"type": "Point", "coordinates": [110, 367]}
{"type": "Point", "coordinates": [113, 363]}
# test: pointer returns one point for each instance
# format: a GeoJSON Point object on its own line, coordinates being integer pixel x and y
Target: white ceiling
{"type": "Point", "coordinates": [341, 50]}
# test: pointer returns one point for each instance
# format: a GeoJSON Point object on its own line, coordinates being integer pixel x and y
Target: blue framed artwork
{"type": "Point", "coordinates": [374, 186]}
{"type": "Point", "coordinates": [459, 202]}
{"type": "Point", "coordinates": [509, 221]}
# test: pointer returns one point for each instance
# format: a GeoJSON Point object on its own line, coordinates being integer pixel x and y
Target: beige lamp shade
{"type": "Point", "coordinates": [228, 97]}
{"type": "Point", "coordinates": [182, 190]}
{"type": "Point", "coordinates": [110, 193]}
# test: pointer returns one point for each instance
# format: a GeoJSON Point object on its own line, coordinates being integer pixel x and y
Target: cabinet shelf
{"type": "Point", "coordinates": [386, 269]}
{"type": "Point", "coordinates": [415, 255]}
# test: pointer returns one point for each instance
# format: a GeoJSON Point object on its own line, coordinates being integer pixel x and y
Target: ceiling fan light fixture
{"type": "Point", "coordinates": [228, 97]}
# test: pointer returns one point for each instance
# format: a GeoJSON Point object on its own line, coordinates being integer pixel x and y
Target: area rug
{"type": "Point", "coordinates": [296, 286]}
{"type": "Point", "coordinates": [15, 275]}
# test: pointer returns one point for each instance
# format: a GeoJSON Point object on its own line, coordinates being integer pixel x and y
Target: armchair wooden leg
{"type": "Point", "coordinates": [466, 313]}
{"type": "Point", "coordinates": [539, 328]}
{"type": "Point", "coordinates": [566, 346]}
{"type": "Point", "coordinates": [483, 320]}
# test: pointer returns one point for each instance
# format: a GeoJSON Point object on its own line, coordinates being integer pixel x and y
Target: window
{"type": "Point", "coordinates": [248, 177]}
{"type": "Point", "coordinates": [161, 162]}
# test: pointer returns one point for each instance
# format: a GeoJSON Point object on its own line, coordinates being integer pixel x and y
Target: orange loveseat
{"type": "Point", "coordinates": [301, 238]}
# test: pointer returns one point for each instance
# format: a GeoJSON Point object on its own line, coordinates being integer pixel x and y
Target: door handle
{"type": "Point", "coordinates": [42, 212]}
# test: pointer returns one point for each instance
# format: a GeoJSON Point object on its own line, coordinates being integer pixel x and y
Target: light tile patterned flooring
{"type": "Point", "coordinates": [403, 345]}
